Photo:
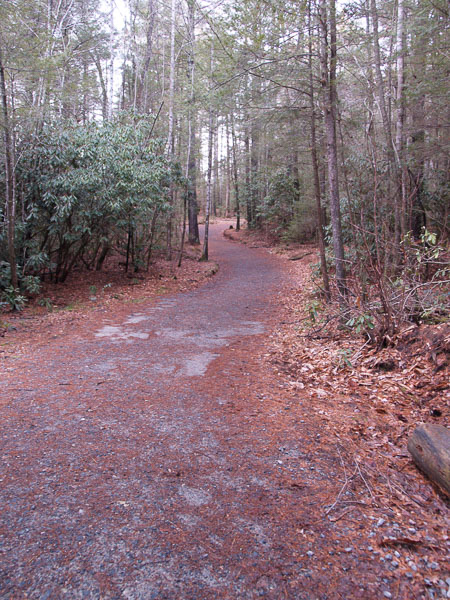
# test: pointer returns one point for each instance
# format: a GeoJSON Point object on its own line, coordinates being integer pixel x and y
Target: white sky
{"type": "Point", "coordinates": [120, 11]}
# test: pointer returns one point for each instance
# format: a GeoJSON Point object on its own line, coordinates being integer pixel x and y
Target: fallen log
{"type": "Point", "coordinates": [429, 446]}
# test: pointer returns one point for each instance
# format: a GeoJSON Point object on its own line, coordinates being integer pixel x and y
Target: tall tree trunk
{"type": "Point", "coordinates": [415, 212]}
{"type": "Point", "coordinates": [111, 61]}
{"type": "Point", "coordinates": [379, 80]}
{"type": "Point", "coordinates": [315, 165]}
{"type": "Point", "coordinates": [328, 20]}
{"type": "Point", "coordinates": [254, 156]}
{"type": "Point", "coordinates": [142, 93]}
{"type": "Point", "coordinates": [171, 137]}
{"type": "Point", "coordinates": [235, 174]}
{"type": "Point", "coordinates": [248, 191]}
{"type": "Point", "coordinates": [227, 169]}
{"type": "Point", "coordinates": [101, 78]}
{"type": "Point", "coordinates": [9, 175]}
{"type": "Point", "coordinates": [400, 205]}
{"type": "Point", "coordinates": [210, 162]}
{"type": "Point", "coordinates": [216, 178]}
{"type": "Point", "coordinates": [194, 237]}
{"type": "Point", "coordinates": [208, 183]}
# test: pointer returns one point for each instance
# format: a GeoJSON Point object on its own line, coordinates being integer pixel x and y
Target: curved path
{"type": "Point", "coordinates": [148, 457]}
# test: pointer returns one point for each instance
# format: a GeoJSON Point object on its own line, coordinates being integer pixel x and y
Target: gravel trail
{"type": "Point", "coordinates": [149, 456]}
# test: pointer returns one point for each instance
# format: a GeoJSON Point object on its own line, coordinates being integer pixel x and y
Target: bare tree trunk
{"type": "Point", "coordinates": [315, 165]}
{"type": "Point", "coordinates": [194, 237]}
{"type": "Point", "coordinates": [9, 176]}
{"type": "Point", "coordinates": [254, 158]}
{"type": "Point", "coordinates": [208, 183]}
{"type": "Point", "coordinates": [170, 138]}
{"type": "Point", "coordinates": [111, 61]}
{"type": "Point", "coordinates": [132, 53]}
{"type": "Point", "coordinates": [210, 164]}
{"type": "Point", "coordinates": [216, 178]}
{"type": "Point", "coordinates": [370, 83]}
{"type": "Point", "coordinates": [247, 173]}
{"type": "Point", "coordinates": [170, 141]}
{"type": "Point", "coordinates": [228, 170]}
{"type": "Point", "coordinates": [328, 19]}
{"type": "Point", "coordinates": [142, 95]}
{"type": "Point", "coordinates": [400, 205]}
{"type": "Point", "coordinates": [235, 175]}
{"type": "Point", "coordinates": [379, 79]}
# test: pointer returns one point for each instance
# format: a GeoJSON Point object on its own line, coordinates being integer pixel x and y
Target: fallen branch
{"type": "Point", "coordinates": [300, 256]}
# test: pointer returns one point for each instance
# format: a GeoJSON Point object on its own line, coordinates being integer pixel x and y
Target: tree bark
{"type": "Point", "coordinates": [194, 237]}
{"type": "Point", "coordinates": [248, 199]}
{"type": "Point", "coordinates": [429, 446]}
{"type": "Point", "coordinates": [111, 61]}
{"type": "Point", "coordinates": [142, 95]}
{"type": "Point", "coordinates": [235, 175]}
{"type": "Point", "coordinates": [227, 170]}
{"type": "Point", "coordinates": [9, 176]}
{"type": "Point", "coordinates": [254, 156]}
{"type": "Point", "coordinates": [315, 165]}
{"type": "Point", "coordinates": [400, 204]}
{"type": "Point", "coordinates": [379, 79]}
{"type": "Point", "coordinates": [210, 164]}
{"type": "Point", "coordinates": [171, 139]}
{"type": "Point", "coordinates": [328, 20]}
{"type": "Point", "coordinates": [216, 178]}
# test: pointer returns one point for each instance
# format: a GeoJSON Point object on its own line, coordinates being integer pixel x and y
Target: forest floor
{"type": "Point", "coordinates": [206, 444]}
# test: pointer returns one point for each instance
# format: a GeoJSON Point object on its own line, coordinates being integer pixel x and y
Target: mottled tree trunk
{"type": "Point", "coordinates": [210, 165]}
{"type": "Point", "coordinates": [171, 137]}
{"type": "Point", "coordinates": [247, 174]}
{"type": "Point", "coordinates": [315, 165]}
{"type": "Point", "coordinates": [379, 80]}
{"type": "Point", "coordinates": [111, 62]}
{"type": "Point", "coordinates": [216, 179]}
{"type": "Point", "coordinates": [400, 204]}
{"type": "Point", "coordinates": [227, 170]}
{"type": "Point", "coordinates": [235, 174]}
{"type": "Point", "coordinates": [142, 96]}
{"type": "Point", "coordinates": [192, 209]}
{"type": "Point", "coordinates": [9, 176]}
{"type": "Point", "coordinates": [328, 20]}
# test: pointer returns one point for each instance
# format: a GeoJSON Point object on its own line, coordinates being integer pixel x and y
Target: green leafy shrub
{"type": "Point", "coordinates": [31, 285]}
{"type": "Point", "coordinates": [91, 188]}
{"type": "Point", "coordinates": [12, 297]}
{"type": "Point", "coordinates": [46, 303]}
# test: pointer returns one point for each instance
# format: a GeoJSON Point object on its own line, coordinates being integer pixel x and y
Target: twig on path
{"type": "Point", "coordinates": [365, 482]}
{"type": "Point", "coordinates": [339, 517]}
{"type": "Point", "coordinates": [343, 488]}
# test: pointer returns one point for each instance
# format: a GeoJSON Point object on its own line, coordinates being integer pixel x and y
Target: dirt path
{"type": "Point", "coordinates": [150, 457]}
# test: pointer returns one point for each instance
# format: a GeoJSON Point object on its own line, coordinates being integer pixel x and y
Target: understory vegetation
{"type": "Point", "coordinates": [309, 121]}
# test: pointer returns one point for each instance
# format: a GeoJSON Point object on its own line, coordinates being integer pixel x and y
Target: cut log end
{"type": "Point", "coordinates": [429, 446]}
